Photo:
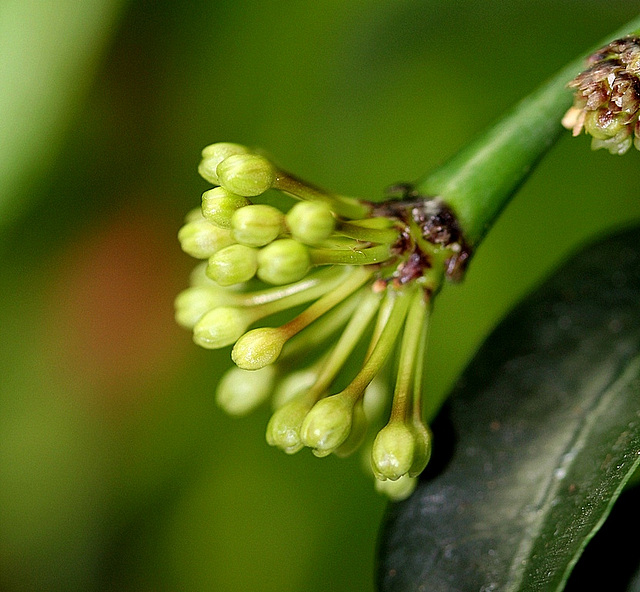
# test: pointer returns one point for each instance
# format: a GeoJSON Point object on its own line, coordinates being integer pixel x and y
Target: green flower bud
{"type": "Point", "coordinates": [246, 174]}
{"type": "Point", "coordinates": [256, 225]}
{"type": "Point", "coordinates": [241, 391]}
{"type": "Point", "coordinates": [283, 429]}
{"type": "Point", "coordinates": [310, 222]}
{"type": "Point", "coordinates": [328, 424]}
{"type": "Point", "coordinates": [293, 384]}
{"type": "Point", "coordinates": [422, 452]}
{"type": "Point", "coordinates": [214, 154]}
{"type": "Point", "coordinates": [258, 348]}
{"type": "Point", "coordinates": [199, 277]}
{"type": "Point", "coordinates": [218, 205]}
{"type": "Point", "coordinates": [283, 262]}
{"type": "Point", "coordinates": [194, 302]}
{"type": "Point", "coordinates": [358, 431]}
{"type": "Point", "coordinates": [397, 490]}
{"type": "Point", "coordinates": [233, 265]}
{"type": "Point", "coordinates": [393, 451]}
{"type": "Point", "coordinates": [193, 215]}
{"type": "Point", "coordinates": [221, 326]}
{"type": "Point", "coordinates": [376, 396]}
{"type": "Point", "coordinates": [201, 239]}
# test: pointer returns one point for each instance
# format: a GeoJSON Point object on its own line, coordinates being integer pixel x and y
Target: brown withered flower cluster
{"type": "Point", "coordinates": [607, 98]}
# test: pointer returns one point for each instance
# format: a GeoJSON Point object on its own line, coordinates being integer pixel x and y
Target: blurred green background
{"type": "Point", "coordinates": [117, 471]}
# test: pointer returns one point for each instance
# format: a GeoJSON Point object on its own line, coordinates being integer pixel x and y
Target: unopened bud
{"type": "Point", "coordinates": [397, 490]}
{"type": "Point", "coordinates": [241, 391]}
{"type": "Point", "coordinates": [256, 225]}
{"type": "Point", "coordinates": [201, 239]}
{"type": "Point", "coordinates": [422, 452]}
{"type": "Point", "coordinates": [193, 215]}
{"type": "Point", "coordinates": [199, 277]}
{"type": "Point", "coordinates": [283, 261]}
{"type": "Point", "coordinates": [358, 431]}
{"type": "Point", "coordinates": [220, 327]}
{"type": "Point", "coordinates": [293, 384]}
{"type": "Point", "coordinates": [194, 302]}
{"type": "Point", "coordinates": [376, 396]}
{"type": "Point", "coordinates": [284, 426]}
{"type": "Point", "coordinates": [214, 154]}
{"type": "Point", "coordinates": [310, 222]}
{"type": "Point", "coordinates": [246, 174]}
{"type": "Point", "coordinates": [258, 348]}
{"type": "Point", "coordinates": [393, 451]}
{"type": "Point", "coordinates": [234, 264]}
{"type": "Point", "coordinates": [328, 424]}
{"type": "Point", "coordinates": [218, 205]}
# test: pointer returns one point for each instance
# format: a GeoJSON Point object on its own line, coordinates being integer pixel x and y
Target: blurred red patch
{"type": "Point", "coordinates": [113, 307]}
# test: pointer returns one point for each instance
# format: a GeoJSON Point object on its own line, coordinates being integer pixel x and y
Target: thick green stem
{"type": "Point", "coordinates": [480, 180]}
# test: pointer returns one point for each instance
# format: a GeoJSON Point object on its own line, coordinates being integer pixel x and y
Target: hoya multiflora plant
{"type": "Point", "coordinates": [326, 299]}
{"type": "Point", "coordinates": [366, 274]}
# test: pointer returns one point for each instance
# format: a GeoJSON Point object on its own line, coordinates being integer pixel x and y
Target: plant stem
{"type": "Point", "coordinates": [350, 337]}
{"type": "Point", "coordinates": [411, 342]}
{"type": "Point", "coordinates": [480, 180]}
{"type": "Point", "coordinates": [384, 344]}
{"type": "Point", "coordinates": [367, 256]}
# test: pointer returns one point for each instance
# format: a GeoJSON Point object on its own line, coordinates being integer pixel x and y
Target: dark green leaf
{"type": "Point", "coordinates": [546, 421]}
{"type": "Point", "coordinates": [610, 547]}
{"type": "Point", "coordinates": [634, 586]}
{"type": "Point", "coordinates": [54, 48]}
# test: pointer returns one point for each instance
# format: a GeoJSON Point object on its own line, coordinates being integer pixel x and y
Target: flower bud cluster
{"type": "Point", "coordinates": [355, 280]}
{"type": "Point", "coordinates": [607, 97]}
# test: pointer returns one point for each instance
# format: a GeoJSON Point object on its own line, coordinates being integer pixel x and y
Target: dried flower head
{"type": "Point", "coordinates": [607, 97]}
{"type": "Point", "coordinates": [356, 278]}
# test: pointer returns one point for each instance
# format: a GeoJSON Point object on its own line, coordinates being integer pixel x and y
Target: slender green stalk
{"type": "Point", "coordinates": [345, 206]}
{"type": "Point", "coordinates": [356, 279]}
{"type": "Point", "coordinates": [481, 179]}
{"type": "Point", "coordinates": [314, 290]}
{"type": "Point", "coordinates": [383, 346]}
{"type": "Point", "coordinates": [418, 379]}
{"type": "Point", "coordinates": [372, 235]}
{"type": "Point", "coordinates": [324, 280]}
{"type": "Point", "coordinates": [321, 329]}
{"type": "Point", "coordinates": [381, 322]}
{"type": "Point", "coordinates": [348, 340]}
{"type": "Point", "coordinates": [367, 256]}
{"type": "Point", "coordinates": [411, 341]}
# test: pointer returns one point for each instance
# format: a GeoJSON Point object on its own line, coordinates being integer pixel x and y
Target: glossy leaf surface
{"type": "Point", "coordinates": [546, 428]}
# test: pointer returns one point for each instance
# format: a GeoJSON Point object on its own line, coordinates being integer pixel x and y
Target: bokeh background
{"type": "Point", "coordinates": [117, 471]}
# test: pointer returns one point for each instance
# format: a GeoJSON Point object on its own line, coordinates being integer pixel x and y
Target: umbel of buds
{"type": "Point", "coordinates": [607, 97]}
{"type": "Point", "coordinates": [353, 281]}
